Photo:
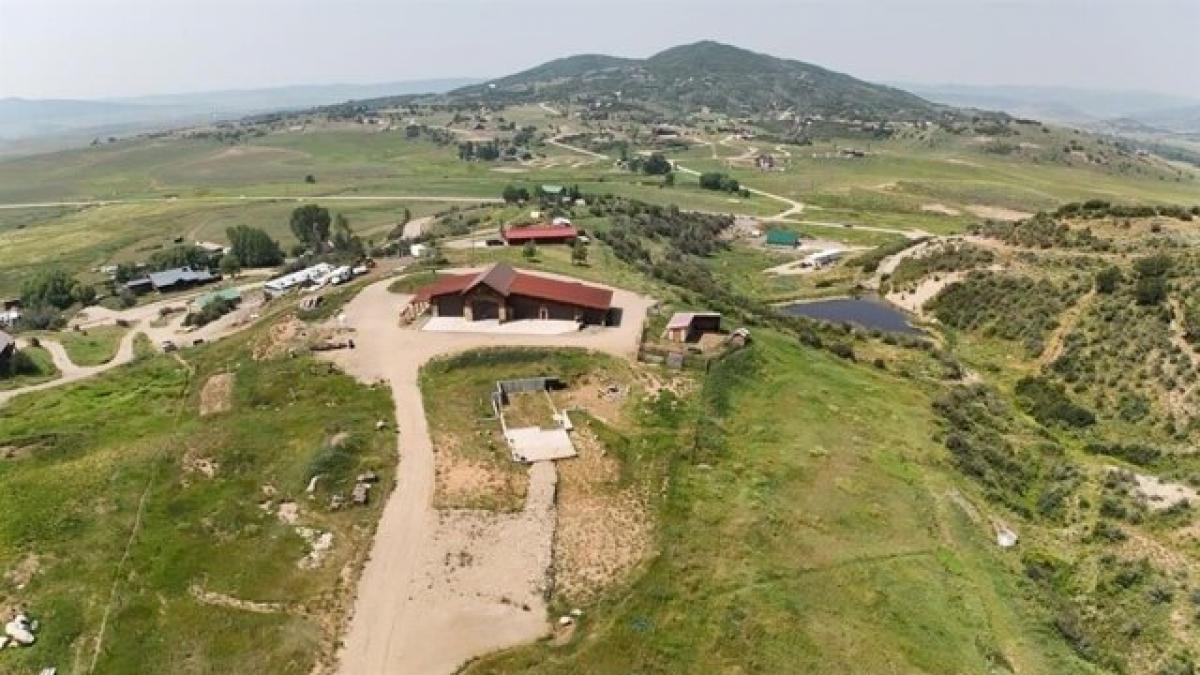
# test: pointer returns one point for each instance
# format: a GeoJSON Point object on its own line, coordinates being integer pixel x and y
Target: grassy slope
{"type": "Point", "coordinates": [43, 369]}
{"type": "Point", "coordinates": [819, 541]}
{"type": "Point", "coordinates": [91, 347]}
{"type": "Point", "coordinates": [102, 461]}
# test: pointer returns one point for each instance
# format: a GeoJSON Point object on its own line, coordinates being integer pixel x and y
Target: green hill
{"type": "Point", "coordinates": [708, 74]}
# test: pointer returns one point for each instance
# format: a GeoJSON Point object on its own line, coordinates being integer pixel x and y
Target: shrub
{"type": "Point", "coordinates": [1048, 403]}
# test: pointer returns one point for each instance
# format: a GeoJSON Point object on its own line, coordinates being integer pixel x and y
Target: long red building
{"type": "Point", "coordinates": [503, 293]}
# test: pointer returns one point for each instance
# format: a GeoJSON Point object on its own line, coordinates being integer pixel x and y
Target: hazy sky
{"type": "Point", "coordinates": [97, 48]}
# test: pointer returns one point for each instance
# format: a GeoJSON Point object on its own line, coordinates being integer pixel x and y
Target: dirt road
{"type": "Point", "coordinates": [420, 608]}
{"type": "Point", "coordinates": [140, 320]}
{"type": "Point", "coordinates": [244, 198]}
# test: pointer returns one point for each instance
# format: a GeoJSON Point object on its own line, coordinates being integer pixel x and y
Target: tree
{"type": "Point", "coordinates": [656, 164]}
{"type": "Point", "coordinates": [1107, 279]}
{"type": "Point", "coordinates": [252, 247]}
{"type": "Point", "coordinates": [231, 266]}
{"type": "Point", "coordinates": [1151, 290]}
{"type": "Point", "coordinates": [181, 256]}
{"type": "Point", "coordinates": [579, 253]}
{"type": "Point", "coordinates": [48, 288]}
{"type": "Point", "coordinates": [310, 179]}
{"type": "Point", "coordinates": [530, 251]}
{"type": "Point", "coordinates": [84, 294]}
{"type": "Point", "coordinates": [310, 224]}
{"type": "Point", "coordinates": [344, 239]}
{"type": "Point", "coordinates": [515, 195]}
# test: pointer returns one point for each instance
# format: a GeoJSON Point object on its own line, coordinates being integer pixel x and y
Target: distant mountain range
{"type": "Point", "coordinates": [23, 119]}
{"type": "Point", "coordinates": [1111, 111]}
{"type": "Point", "coordinates": [708, 74]}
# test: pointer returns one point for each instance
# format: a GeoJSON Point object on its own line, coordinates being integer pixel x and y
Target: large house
{"type": "Point", "coordinates": [505, 294]}
{"type": "Point", "coordinates": [174, 279]}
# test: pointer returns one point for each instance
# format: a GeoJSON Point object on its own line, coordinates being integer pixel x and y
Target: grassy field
{"type": "Point", "coordinates": [90, 347]}
{"type": "Point", "coordinates": [156, 529]}
{"type": "Point", "coordinates": [812, 534]}
{"type": "Point", "coordinates": [39, 368]}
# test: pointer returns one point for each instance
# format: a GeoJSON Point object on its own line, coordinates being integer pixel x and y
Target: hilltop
{"type": "Point", "coordinates": [707, 74]}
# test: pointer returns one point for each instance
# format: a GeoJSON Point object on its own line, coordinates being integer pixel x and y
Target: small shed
{"type": "Point", "coordinates": [690, 326]}
{"type": "Point", "coordinates": [782, 238]}
{"type": "Point", "coordinates": [228, 294]}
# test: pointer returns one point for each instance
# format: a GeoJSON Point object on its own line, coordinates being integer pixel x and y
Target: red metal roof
{"type": "Point", "coordinates": [566, 292]}
{"type": "Point", "coordinates": [506, 281]}
{"type": "Point", "coordinates": [541, 232]}
{"type": "Point", "coordinates": [450, 283]}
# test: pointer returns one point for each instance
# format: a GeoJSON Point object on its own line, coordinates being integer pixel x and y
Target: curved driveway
{"type": "Point", "coordinates": [405, 620]}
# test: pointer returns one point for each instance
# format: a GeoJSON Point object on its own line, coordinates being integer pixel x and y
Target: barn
{"type": "Point", "coordinates": [506, 294]}
{"type": "Point", "coordinates": [541, 234]}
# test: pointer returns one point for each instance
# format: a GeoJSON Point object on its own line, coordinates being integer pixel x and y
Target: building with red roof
{"type": "Point", "coordinates": [505, 294]}
{"type": "Point", "coordinates": [541, 234]}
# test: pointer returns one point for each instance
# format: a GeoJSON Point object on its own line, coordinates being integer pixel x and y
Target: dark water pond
{"type": "Point", "coordinates": [865, 312]}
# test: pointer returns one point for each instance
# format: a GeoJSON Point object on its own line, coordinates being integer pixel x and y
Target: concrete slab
{"type": "Point", "coordinates": [533, 444]}
{"type": "Point", "coordinates": [457, 324]}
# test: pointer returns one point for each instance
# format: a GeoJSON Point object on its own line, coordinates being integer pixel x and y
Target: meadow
{"type": "Point", "coordinates": [150, 542]}
{"type": "Point", "coordinates": [815, 529]}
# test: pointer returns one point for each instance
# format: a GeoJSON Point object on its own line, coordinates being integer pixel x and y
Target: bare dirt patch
{"type": "Point", "coordinates": [222, 600]}
{"type": "Point", "coordinates": [997, 212]}
{"type": "Point", "coordinates": [464, 483]}
{"type": "Point", "coordinates": [217, 394]}
{"type": "Point", "coordinates": [205, 466]}
{"type": "Point", "coordinates": [604, 528]}
{"type": "Point", "coordinates": [1161, 495]}
{"type": "Point", "coordinates": [286, 337]}
{"type": "Point", "coordinates": [23, 572]}
{"type": "Point", "coordinates": [15, 452]}
{"type": "Point", "coordinates": [940, 209]}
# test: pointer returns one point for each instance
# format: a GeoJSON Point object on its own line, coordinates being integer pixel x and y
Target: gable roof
{"type": "Point", "coordinates": [685, 319]}
{"type": "Point", "coordinates": [782, 237]}
{"type": "Point", "coordinates": [179, 275]}
{"type": "Point", "coordinates": [540, 232]}
{"type": "Point", "coordinates": [507, 281]}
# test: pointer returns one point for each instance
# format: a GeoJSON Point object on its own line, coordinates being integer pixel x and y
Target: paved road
{"type": "Point", "coordinates": [406, 618]}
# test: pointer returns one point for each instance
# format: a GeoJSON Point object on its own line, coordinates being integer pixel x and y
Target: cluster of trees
{"type": "Point", "coordinates": [655, 164]}
{"type": "Point", "coordinates": [1006, 306]}
{"type": "Point", "coordinates": [513, 194]}
{"type": "Point", "coordinates": [214, 310]}
{"type": "Point", "coordinates": [1048, 403]}
{"type": "Point", "coordinates": [47, 293]}
{"type": "Point", "coordinates": [250, 247]}
{"type": "Point", "coordinates": [715, 180]}
{"type": "Point", "coordinates": [949, 258]}
{"type": "Point", "coordinates": [319, 233]}
{"type": "Point", "coordinates": [1042, 231]}
{"type": "Point", "coordinates": [1099, 208]}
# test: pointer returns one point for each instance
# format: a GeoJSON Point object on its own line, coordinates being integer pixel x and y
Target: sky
{"type": "Point", "coordinates": [109, 48]}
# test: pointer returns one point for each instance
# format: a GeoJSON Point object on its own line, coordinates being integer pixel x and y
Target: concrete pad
{"type": "Point", "coordinates": [457, 324]}
{"type": "Point", "coordinates": [532, 444]}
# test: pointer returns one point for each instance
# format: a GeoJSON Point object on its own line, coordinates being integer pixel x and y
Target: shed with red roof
{"type": "Point", "coordinates": [541, 234]}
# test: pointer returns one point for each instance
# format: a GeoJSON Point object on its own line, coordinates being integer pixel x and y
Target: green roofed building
{"type": "Point", "coordinates": [782, 238]}
{"type": "Point", "coordinates": [223, 294]}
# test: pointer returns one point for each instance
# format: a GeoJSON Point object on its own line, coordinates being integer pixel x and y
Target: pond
{"type": "Point", "coordinates": [869, 313]}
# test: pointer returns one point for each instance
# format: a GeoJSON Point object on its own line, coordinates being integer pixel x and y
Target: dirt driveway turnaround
{"type": "Point", "coordinates": [441, 587]}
